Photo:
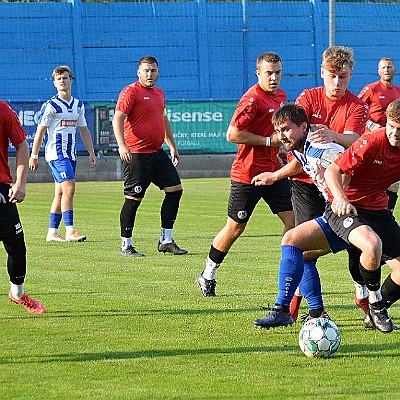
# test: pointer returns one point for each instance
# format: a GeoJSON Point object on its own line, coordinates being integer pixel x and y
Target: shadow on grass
{"type": "Point", "coordinates": [345, 351]}
{"type": "Point", "coordinates": [115, 355]}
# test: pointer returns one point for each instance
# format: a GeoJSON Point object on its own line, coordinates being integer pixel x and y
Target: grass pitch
{"type": "Point", "coordinates": [138, 328]}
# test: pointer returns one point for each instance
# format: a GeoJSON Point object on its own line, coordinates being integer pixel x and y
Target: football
{"type": "Point", "coordinates": [319, 337]}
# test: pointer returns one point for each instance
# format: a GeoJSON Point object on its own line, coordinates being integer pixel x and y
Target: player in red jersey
{"type": "Point", "coordinates": [336, 115]}
{"type": "Point", "coordinates": [251, 128]}
{"type": "Point", "coordinates": [11, 233]}
{"type": "Point", "coordinates": [378, 95]}
{"type": "Point", "coordinates": [140, 126]}
{"type": "Point", "coordinates": [356, 216]}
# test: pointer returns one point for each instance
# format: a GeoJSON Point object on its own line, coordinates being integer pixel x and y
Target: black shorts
{"type": "Point", "coordinates": [382, 222]}
{"type": "Point", "coordinates": [149, 168]}
{"type": "Point", "coordinates": [244, 198]}
{"type": "Point", "coordinates": [10, 225]}
{"type": "Point", "coordinates": [308, 202]}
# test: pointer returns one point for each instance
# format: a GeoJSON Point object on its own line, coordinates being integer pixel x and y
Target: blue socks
{"type": "Point", "coordinates": [55, 220]}
{"type": "Point", "coordinates": [290, 273]}
{"type": "Point", "coordinates": [310, 286]}
{"type": "Point", "coordinates": [68, 217]}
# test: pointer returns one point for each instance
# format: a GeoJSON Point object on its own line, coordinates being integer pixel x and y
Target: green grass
{"type": "Point", "coordinates": [119, 328]}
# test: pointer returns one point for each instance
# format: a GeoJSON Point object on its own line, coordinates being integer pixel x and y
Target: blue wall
{"type": "Point", "coordinates": [206, 50]}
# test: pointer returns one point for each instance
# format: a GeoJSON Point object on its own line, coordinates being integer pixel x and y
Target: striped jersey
{"type": "Point", "coordinates": [61, 119]}
{"type": "Point", "coordinates": [316, 158]}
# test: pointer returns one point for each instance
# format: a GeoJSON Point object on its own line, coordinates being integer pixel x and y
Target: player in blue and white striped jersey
{"type": "Point", "coordinates": [294, 132]}
{"type": "Point", "coordinates": [60, 117]}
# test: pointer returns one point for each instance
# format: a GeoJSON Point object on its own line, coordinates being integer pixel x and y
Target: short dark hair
{"type": "Point", "coordinates": [268, 56]}
{"type": "Point", "coordinates": [290, 112]}
{"type": "Point", "coordinates": [148, 60]}
{"type": "Point", "coordinates": [393, 111]}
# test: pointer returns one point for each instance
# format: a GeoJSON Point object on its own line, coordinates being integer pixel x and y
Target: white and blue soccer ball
{"type": "Point", "coordinates": [319, 337]}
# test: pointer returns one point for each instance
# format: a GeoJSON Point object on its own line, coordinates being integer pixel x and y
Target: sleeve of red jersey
{"type": "Point", "coordinates": [126, 100]}
{"type": "Point", "coordinates": [15, 131]}
{"type": "Point", "coordinates": [357, 119]}
{"type": "Point", "coordinates": [357, 154]}
{"type": "Point", "coordinates": [244, 114]}
{"type": "Point", "coordinates": [365, 94]}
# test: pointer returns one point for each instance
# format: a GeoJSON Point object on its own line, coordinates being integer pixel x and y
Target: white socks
{"type": "Point", "coordinates": [166, 235]}
{"type": "Point", "coordinates": [16, 290]}
{"type": "Point", "coordinates": [210, 271]}
{"type": "Point", "coordinates": [298, 292]}
{"type": "Point", "coordinates": [361, 291]}
{"type": "Point", "coordinates": [69, 229]}
{"type": "Point", "coordinates": [126, 242]}
{"type": "Point", "coordinates": [374, 297]}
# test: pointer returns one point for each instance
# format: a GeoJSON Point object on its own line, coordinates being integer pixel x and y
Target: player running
{"type": "Point", "coordinates": [356, 215]}
{"type": "Point", "coordinates": [251, 128]}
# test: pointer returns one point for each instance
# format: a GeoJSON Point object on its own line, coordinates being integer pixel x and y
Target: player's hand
{"type": "Point", "coordinates": [321, 134]}
{"type": "Point", "coordinates": [17, 193]}
{"type": "Point", "coordinates": [125, 153]}
{"type": "Point", "coordinates": [264, 179]}
{"type": "Point", "coordinates": [175, 158]}
{"type": "Point", "coordinates": [282, 156]}
{"type": "Point", "coordinates": [92, 160]}
{"type": "Point", "coordinates": [33, 164]}
{"type": "Point", "coordinates": [343, 207]}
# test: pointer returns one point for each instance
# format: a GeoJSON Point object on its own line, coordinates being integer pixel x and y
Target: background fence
{"type": "Point", "coordinates": [206, 50]}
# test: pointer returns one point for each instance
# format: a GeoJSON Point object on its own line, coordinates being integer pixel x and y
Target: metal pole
{"type": "Point", "coordinates": [332, 22]}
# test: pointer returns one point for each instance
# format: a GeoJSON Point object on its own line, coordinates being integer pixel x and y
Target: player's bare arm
{"type": "Point", "coordinates": [268, 178]}
{"type": "Point", "coordinates": [18, 190]}
{"type": "Point", "coordinates": [235, 135]}
{"type": "Point", "coordinates": [37, 143]}
{"type": "Point", "coordinates": [334, 180]}
{"type": "Point", "coordinates": [87, 141]}
{"type": "Point", "coordinates": [169, 139]}
{"type": "Point", "coordinates": [118, 127]}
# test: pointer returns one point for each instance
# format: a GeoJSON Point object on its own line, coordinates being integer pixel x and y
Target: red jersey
{"type": "Point", "coordinates": [253, 114]}
{"type": "Point", "coordinates": [348, 113]}
{"type": "Point", "coordinates": [378, 97]}
{"type": "Point", "coordinates": [144, 127]}
{"type": "Point", "coordinates": [373, 164]}
{"type": "Point", "coordinates": [10, 130]}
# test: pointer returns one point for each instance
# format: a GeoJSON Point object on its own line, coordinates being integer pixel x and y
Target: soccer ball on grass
{"type": "Point", "coordinates": [319, 337]}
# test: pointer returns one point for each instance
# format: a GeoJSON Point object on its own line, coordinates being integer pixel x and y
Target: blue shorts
{"type": "Point", "coordinates": [336, 243]}
{"type": "Point", "coordinates": [63, 170]}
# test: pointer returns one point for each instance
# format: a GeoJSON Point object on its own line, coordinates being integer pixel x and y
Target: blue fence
{"type": "Point", "coordinates": [206, 50]}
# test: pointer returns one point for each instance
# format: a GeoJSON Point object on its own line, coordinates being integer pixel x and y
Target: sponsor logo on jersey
{"type": "Point", "coordinates": [68, 122]}
{"type": "Point", "coordinates": [146, 98]}
{"type": "Point", "coordinates": [138, 189]}
{"type": "Point", "coordinates": [348, 222]}
{"type": "Point", "coordinates": [317, 116]}
{"type": "Point", "coordinates": [379, 162]}
{"type": "Point", "coordinates": [242, 214]}
{"type": "Point", "coordinates": [271, 110]}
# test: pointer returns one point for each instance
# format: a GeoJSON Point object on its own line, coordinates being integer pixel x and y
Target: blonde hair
{"type": "Point", "coordinates": [393, 111]}
{"type": "Point", "coordinates": [60, 70]}
{"type": "Point", "coordinates": [335, 58]}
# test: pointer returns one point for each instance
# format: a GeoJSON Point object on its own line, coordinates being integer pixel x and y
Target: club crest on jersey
{"type": "Point", "coordinates": [348, 222]}
{"type": "Point", "coordinates": [242, 214]}
{"type": "Point", "coordinates": [138, 189]}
